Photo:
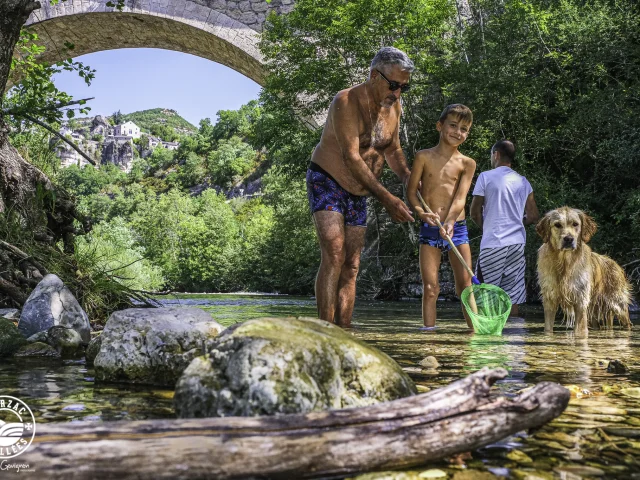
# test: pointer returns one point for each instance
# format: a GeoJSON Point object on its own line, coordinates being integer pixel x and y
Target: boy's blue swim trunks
{"type": "Point", "coordinates": [324, 193]}
{"type": "Point", "coordinates": [430, 235]}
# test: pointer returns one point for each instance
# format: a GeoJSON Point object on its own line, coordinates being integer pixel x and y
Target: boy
{"type": "Point", "coordinates": [446, 176]}
{"type": "Point", "coordinates": [502, 206]}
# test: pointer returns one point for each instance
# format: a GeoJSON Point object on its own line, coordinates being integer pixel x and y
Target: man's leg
{"type": "Point", "coordinates": [331, 235]}
{"type": "Point", "coordinates": [515, 310]}
{"type": "Point", "coordinates": [429, 268]}
{"type": "Point", "coordinates": [354, 243]}
{"type": "Point", "coordinates": [462, 277]}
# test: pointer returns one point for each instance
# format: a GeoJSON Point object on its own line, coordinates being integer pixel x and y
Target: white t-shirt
{"type": "Point", "coordinates": [505, 193]}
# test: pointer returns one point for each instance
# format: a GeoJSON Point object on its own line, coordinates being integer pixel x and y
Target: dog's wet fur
{"type": "Point", "coordinates": [591, 289]}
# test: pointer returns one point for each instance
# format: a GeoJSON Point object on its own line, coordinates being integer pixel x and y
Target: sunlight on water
{"type": "Point", "coordinates": [598, 435]}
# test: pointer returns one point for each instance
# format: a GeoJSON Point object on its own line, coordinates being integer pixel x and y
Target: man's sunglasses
{"type": "Point", "coordinates": [393, 86]}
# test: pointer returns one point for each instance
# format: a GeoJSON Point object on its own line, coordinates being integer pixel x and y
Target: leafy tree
{"type": "Point", "coordinates": [232, 159]}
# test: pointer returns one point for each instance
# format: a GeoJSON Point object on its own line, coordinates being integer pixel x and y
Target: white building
{"type": "Point", "coordinates": [171, 145]}
{"type": "Point", "coordinates": [127, 129]}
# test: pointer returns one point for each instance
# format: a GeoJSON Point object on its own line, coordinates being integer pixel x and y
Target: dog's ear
{"type": "Point", "coordinates": [543, 228]}
{"type": "Point", "coordinates": [589, 227]}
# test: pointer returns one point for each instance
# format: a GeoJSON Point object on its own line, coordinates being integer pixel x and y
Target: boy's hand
{"type": "Point", "coordinates": [447, 230]}
{"type": "Point", "coordinates": [397, 209]}
{"type": "Point", "coordinates": [430, 218]}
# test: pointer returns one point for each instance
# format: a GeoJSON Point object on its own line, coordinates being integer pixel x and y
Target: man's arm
{"type": "Point", "coordinates": [531, 211]}
{"type": "Point", "coordinates": [476, 209]}
{"type": "Point", "coordinates": [395, 156]}
{"type": "Point", "coordinates": [460, 196]}
{"type": "Point", "coordinates": [344, 120]}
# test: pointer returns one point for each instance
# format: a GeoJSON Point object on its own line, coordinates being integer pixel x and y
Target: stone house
{"type": "Point", "coordinates": [127, 129]}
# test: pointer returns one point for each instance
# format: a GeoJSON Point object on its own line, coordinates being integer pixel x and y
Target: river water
{"type": "Point", "coordinates": [597, 436]}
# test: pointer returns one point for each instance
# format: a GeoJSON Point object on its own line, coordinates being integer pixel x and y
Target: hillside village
{"type": "Point", "coordinates": [118, 143]}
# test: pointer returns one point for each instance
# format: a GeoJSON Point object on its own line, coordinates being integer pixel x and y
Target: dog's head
{"type": "Point", "coordinates": [564, 228]}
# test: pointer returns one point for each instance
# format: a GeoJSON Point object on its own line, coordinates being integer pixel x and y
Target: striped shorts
{"type": "Point", "coordinates": [504, 267]}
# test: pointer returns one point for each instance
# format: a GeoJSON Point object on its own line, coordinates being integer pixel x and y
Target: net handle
{"type": "Point", "coordinates": [474, 279]}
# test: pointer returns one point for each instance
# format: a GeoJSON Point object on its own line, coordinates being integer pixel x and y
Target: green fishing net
{"type": "Point", "coordinates": [488, 306]}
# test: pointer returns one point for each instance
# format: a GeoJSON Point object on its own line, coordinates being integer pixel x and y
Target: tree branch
{"type": "Point", "coordinates": [62, 137]}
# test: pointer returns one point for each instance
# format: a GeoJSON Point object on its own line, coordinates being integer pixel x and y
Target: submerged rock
{"type": "Point", "coordinates": [52, 303]}
{"type": "Point", "coordinates": [152, 345]}
{"type": "Point", "coordinates": [429, 362]}
{"type": "Point", "coordinates": [285, 365]}
{"type": "Point", "coordinates": [37, 349]}
{"type": "Point", "coordinates": [65, 340]}
{"type": "Point", "coordinates": [616, 366]}
{"type": "Point", "coordinates": [10, 338]}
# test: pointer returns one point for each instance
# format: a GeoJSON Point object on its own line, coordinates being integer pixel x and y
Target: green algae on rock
{"type": "Point", "coordinates": [152, 345]}
{"type": "Point", "coordinates": [287, 365]}
{"type": "Point", "coordinates": [10, 338]}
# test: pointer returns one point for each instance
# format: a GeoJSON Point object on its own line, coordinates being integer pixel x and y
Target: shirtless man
{"type": "Point", "coordinates": [362, 131]}
{"type": "Point", "coordinates": [446, 176]}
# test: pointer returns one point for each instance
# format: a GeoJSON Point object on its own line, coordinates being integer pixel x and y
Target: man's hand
{"type": "Point", "coordinates": [397, 209]}
{"type": "Point", "coordinates": [447, 230]}
{"type": "Point", "coordinates": [430, 218]}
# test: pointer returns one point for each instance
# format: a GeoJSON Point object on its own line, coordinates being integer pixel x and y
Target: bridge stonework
{"type": "Point", "coordinates": [223, 31]}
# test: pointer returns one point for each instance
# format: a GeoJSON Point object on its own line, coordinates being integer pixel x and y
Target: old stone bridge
{"type": "Point", "coordinates": [224, 31]}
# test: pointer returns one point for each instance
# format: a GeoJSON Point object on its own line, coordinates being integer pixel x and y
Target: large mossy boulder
{"type": "Point", "coordinates": [152, 345]}
{"type": "Point", "coordinates": [51, 303]}
{"type": "Point", "coordinates": [10, 338]}
{"type": "Point", "coordinates": [286, 365]}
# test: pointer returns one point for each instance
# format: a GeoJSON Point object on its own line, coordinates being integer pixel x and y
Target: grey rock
{"type": "Point", "coordinates": [244, 6]}
{"type": "Point", "coordinates": [52, 303]}
{"type": "Point", "coordinates": [38, 337]}
{"type": "Point", "coordinates": [9, 313]}
{"type": "Point", "coordinates": [65, 340]}
{"type": "Point", "coordinates": [37, 349]}
{"type": "Point", "coordinates": [286, 365]}
{"type": "Point", "coordinates": [429, 362]}
{"type": "Point", "coordinates": [93, 349]}
{"type": "Point", "coordinates": [260, 7]}
{"type": "Point", "coordinates": [10, 338]}
{"type": "Point", "coordinates": [248, 18]}
{"type": "Point", "coordinates": [152, 345]}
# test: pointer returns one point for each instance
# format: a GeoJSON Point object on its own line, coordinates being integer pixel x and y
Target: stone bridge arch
{"type": "Point", "coordinates": [225, 32]}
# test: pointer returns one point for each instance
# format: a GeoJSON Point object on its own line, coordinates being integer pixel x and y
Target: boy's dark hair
{"type": "Point", "coordinates": [507, 150]}
{"type": "Point", "coordinates": [459, 111]}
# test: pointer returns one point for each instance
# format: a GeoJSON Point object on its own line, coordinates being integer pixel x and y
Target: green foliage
{"type": "Point", "coordinates": [147, 119]}
{"type": "Point", "coordinates": [231, 160]}
{"type": "Point", "coordinates": [37, 146]}
{"type": "Point", "coordinates": [192, 240]}
{"type": "Point", "coordinates": [165, 132]}
{"type": "Point", "coordinates": [110, 249]}
{"type": "Point", "coordinates": [36, 94]}
{"type": "Point", "coordinates": [87, 180]}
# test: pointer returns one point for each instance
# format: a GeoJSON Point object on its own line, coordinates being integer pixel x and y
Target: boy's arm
{"type": "Point", "coordinates": [476, 209]}
{"type": "Point", "coordinates": [460, 196]}
{"type": "Point", "coordinates": [531, 211]}
{"type": "Point", "coordinates": [395, 156]}
{"type": "Point", "coordinates": [412, 188]}
{"type": "Point", "coordinates": [344, 119]}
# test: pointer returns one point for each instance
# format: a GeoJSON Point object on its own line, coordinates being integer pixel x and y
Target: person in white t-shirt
{"type": "Point", "coordinates": [502, 205]}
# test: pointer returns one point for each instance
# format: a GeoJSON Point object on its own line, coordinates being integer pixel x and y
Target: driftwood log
{"type": "Point", "coordinates": [460, 417]}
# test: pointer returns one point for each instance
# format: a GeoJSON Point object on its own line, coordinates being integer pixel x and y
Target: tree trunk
{"type": "Point", "coordinates": [399, 434]}
{"type": "Point", "coordinates": [45, 212]}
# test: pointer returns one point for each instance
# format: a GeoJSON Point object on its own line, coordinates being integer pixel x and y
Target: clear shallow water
{"type": "Point", "coordinates": [598, 435]}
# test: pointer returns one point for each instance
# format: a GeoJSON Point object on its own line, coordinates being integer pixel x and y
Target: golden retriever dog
{"type": "Point", "coordinates": [591, 289]}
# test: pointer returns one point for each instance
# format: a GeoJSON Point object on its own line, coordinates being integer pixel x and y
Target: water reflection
{"type": "Point", "coordinates": [600, 429]}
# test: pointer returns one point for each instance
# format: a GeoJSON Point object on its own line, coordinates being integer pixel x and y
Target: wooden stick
{"type": "Point", "coordinates": [407, 432]}
{"type": "Point", "coordinates": [447, 237]}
